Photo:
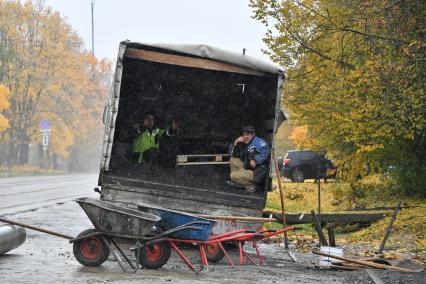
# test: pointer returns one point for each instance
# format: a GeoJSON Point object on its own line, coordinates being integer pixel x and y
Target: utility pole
{"type": "Point", "coordinates": [92, 4]}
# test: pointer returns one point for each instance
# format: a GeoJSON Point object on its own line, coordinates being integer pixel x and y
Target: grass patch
{"type": "Point", "coordinates": [302, 197]}
{"type": "Point", "coordinates": [408, 234]}
{"type": "Point", "coordinates": [26, 170]}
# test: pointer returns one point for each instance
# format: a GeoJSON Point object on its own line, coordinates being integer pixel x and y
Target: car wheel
{"type": "Point", "coordinates": [297, 175]}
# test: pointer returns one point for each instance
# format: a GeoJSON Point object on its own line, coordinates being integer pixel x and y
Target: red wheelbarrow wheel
{"type": "Point", "coordinates": [214, 253]}
{"type": "Point", "coordinates": [91, 251]}
{"type": "Point", "coordinates": [154, 255]}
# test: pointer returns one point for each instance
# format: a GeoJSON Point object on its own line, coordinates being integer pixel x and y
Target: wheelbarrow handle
{"type": "Point", "coordinates": [258, 236]}
{"type": "Point", "coordinates": [171, 231]}
{"type": "Point", "coordinates": [199, 223]}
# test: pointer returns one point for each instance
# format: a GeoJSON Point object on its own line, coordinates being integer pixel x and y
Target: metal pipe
{"type": "Point", "coordinates": [277, 172]}
{"type": "Point", "coordinates": [317, 226]}
{"type": "Point", "coordinates": [238, 218]}
{"type": "Point", "coordinates": [389, 228]}
{"type": "Point", "coordinates": [319, 195]}
{"type": "Point", "coordinates": [11, 237]}
{"type": "Point", "coordinates": [36, 228]}
{"type": "Point", "coordinates": [92, 4]}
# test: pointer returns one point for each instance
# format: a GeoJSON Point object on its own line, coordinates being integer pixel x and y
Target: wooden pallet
{"type": "Point", "coordinates": [208, 159]}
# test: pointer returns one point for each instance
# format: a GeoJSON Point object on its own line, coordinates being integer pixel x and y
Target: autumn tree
{"type": "Point", "coordinates": [85, 153]}
{"type": "Point", "coordinates": [50, 78]}
{"type": "Point", "coordinates": [355, 71]}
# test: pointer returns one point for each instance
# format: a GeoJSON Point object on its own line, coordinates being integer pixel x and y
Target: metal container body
{"type": "Point", "coordinates": [171, 219]}
{"type": "Point", "coordinates": [226, 226]}
{"type": "Point", "coordinates": [11, 237]}
{"type": "Point", "coordinates": [111, 218]}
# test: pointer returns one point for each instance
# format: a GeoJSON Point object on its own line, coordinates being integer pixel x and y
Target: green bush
{"type": "Point", "coordinates": [374, 189]}
{"type": "Point", "coordinates": [410, 181]}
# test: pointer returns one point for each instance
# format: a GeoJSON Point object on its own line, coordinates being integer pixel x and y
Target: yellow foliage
{"type": "Point", "coordinates": [369, 148]}
{"type": "Point", "coordinates": [4, 123]}
{"type": "Point", "coordinates": [355, 77]}
{"type": "Point", "coordinates": [4, 104]}
{"type": "Point", "coordinates": [60, 136]}
{"type": "Point", "coordinates": [301, 138]}
{"type": "Point", "coordinates": [4, 97]}
{"type": "Point", "coordinates": [61, 139]}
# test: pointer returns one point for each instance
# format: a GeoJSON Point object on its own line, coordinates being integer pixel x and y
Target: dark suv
{"type": "Point", "coordinates": [300, 165]}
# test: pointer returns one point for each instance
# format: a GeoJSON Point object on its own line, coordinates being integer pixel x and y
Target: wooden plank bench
{"type": "Point", "coordinates": [207, 159]}
{"type": "Point", "coordinates": [327, 218]}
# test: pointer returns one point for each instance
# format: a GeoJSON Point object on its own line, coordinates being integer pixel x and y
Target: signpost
{"type": "Point", "coordinates": [45, 135]}
{"type": "Point", "coordinates": [45, 130]}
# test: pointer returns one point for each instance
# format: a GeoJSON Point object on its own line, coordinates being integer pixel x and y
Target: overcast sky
{"type": "Point", "coordinates": [222, 23]}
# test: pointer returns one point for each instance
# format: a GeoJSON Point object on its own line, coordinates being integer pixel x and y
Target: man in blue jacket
{"type": "Point", "coordinates": [249, 160]}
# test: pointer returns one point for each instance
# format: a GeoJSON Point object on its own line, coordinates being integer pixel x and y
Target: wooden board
{"type": "Point", "coordinates": [175, 193]}
{"type": "Point", "coordinates": [188, 61]}
{"type": "Point", "coordinates": [201, 163]}
{"type": "Point", "coordinates": [132, 198]}
{"type": "Point", "coordinates": [209, 159]}
{"type": "Point", "coordinates": [197, 197]}
{"type": "Point", "coordinates": [328, 218]}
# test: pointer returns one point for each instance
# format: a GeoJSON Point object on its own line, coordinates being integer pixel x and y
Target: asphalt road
{"type": "Point", "coordinates": [18, 194]}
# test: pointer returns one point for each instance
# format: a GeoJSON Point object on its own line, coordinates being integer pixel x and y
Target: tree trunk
{"type": "Point", "coordinates": [24, 150]}
{"type": "Point", "coordinates": [55, 161]}
{"type": "Point", "coordinates": [40, 156]}
{"type": "Point", "coordinates": [12, 157]}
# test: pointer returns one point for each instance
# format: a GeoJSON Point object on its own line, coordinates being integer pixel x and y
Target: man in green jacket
{"type": "Point", "coordinates": [146, 146]}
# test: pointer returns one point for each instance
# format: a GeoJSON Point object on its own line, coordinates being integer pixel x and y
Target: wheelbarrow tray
{"type": "Point", "coordinates": [173, 218]}
{"type": "Point", "coordinates": [119, 220]}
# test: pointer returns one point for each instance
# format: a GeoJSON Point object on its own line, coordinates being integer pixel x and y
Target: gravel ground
{"type": "Point", "coordinates": [48, 259]}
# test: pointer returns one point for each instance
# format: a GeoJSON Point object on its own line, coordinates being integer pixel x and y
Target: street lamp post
{"type": "Point", "coordinates": [92, 4]}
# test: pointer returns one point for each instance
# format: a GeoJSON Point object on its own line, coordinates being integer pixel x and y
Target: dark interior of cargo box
{"type": "Point", "coordinates": [212, 107]}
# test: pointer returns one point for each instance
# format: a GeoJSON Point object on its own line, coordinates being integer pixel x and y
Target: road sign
{"type": "Point", "coordinates": [45, 140]}
{"type": "Point", "coordinates": [44, 124]}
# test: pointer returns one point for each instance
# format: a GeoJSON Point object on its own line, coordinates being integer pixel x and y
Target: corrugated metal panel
{"type": "Point", "coordinates": [113, 111]}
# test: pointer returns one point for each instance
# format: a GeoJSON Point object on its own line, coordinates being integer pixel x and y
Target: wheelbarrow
{"type": "Point", "coordinates": [211, 247]}
{"type": "Point", "coordinates": [92, 247]}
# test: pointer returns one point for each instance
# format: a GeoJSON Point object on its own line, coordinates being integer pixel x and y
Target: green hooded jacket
{"type": "Point", "coordinates": [147, 140]}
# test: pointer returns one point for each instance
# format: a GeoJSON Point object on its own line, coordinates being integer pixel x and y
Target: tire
{"type": "Point", "coordinates": [214, 253]}
{"type": "Point", "coordinates": [92, 251]}
{"type": "Point", "coordinates": [297, 175]}
{"type": "Point", "coordinates": [156, 255]}
{"type": "Point", "coordinates": [234, 244]}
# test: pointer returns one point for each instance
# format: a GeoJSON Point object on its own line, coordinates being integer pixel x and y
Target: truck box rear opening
{"type": "Point", "coordinates": [212, 105]}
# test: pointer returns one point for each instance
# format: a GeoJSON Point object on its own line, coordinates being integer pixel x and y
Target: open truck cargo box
{"type": "Point", "coordinates": [213, 93]}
